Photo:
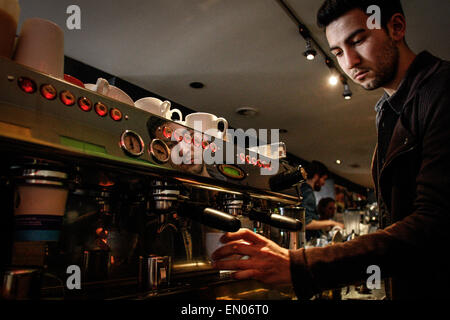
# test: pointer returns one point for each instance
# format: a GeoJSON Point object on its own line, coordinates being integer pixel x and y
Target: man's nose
{"type": "Point", "coordinates": [352, 59]}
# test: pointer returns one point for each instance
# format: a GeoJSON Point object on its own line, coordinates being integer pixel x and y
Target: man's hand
{"type": "Point", "coordinates": [268, 262]}
{"type": "Point", "coordinates": [336, 224]}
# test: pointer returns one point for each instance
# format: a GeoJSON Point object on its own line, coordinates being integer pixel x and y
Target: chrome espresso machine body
{"type": "Point", "coordinates": [94, 206]}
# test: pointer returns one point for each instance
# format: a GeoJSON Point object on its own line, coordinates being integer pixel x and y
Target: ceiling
{"type": "Point", "coordinates": [248, 53]}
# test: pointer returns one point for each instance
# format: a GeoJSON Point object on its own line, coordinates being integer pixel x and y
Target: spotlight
{"type": "Point", "coordinates": [347, 92]}
{"type": "Point", "coordinates": [310, 53]}
{"type": "Point", "coordinates": [333, 80]}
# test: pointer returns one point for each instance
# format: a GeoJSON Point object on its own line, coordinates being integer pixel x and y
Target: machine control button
{"type": "Point", "coordinates": [101, 109]}
{"type": "Point", "coordinates": [115, 114]}
{"type": "Point", "coordinates": [48, 91]}
{"type": "Point", "coordinates": [85, 104]}
{"type": "Point", "coordinates": [67, 98]}
{"type": "Point", "coordinates": [132, 143]}
{"type": "Point", "coordinates": [27, 85]}
{"type": "Point", "coordinates": [231, 171]}
{"type": "Point", "coordinates": [167, 132]}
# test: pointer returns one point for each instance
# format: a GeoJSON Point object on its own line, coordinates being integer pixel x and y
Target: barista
{"type": "Point", "coordinates": [317, 174]}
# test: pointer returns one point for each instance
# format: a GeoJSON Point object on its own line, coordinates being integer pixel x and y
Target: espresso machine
{"type": "Point", "coordinates": [97, 205]}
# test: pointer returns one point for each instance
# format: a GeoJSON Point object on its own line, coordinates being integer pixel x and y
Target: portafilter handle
{"type": "Point", "coordinates": [276, 220]}
{"type": "Point", "coordinates": [210, 217]}
{"type": "Point", "coordinates": [287, 179]}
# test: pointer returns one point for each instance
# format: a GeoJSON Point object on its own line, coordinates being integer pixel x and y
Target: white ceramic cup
{"type": "Point", "coordinates": [103, 87]}
{"type": "Point", "coordinates": [9, 17]}
{"type": "Point", "coordinates": [158, 107]}
{"type": "Point", "coordinates": [41, 46]}
{"type": "Point", "coordinates": [209, 123]}
{"type": "Point", "coordinates": [212, 242]}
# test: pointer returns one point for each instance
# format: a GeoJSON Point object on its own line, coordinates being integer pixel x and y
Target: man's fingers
{"type": "Point", "coordinates": [243, 234]}
{"type": "Point", "coordinates": [245, 274]}
{"type": "Point", "coordinates": [232, 248]}
{"type": "Point", "coordinates": [236, 264]}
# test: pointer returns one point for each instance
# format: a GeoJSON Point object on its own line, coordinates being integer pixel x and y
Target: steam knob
{"type": "Point", "coordinates": [287, 179]}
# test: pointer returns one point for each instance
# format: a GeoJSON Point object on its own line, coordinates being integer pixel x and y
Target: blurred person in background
{"type": "Point", "coordinates": [317, 174]}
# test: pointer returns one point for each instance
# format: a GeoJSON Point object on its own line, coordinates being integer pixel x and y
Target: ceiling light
{"type": "Point", "coordinates": [347, 92]}
{"type": "Point", "coordinates": [247, 111]}
{"type": "Point", "coordinates": [196, 85]}
{"type": "Point", "coordinates": [338, 161]}
{"type": "Point", "coordinates": [333, 80]}
{"type": "Point", "coordinates": [310, 53]}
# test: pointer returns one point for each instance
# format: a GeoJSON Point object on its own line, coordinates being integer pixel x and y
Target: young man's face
{"type": "Point", "coordinates": [368, 56]}
{"type": "Point", "coordinates": [330, 209]}
{"type": "Point", "coordinates": [319, 182]}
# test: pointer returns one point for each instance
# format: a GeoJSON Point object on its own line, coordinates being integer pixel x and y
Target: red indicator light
{"type": "Point", "coordinates": [116, 114]}
{"type": "Point", "coordinates": [213, 147]}
{"type": "Point", "coordinates": [101, 109]}
{"type": "Point", "coordinates": [48, 91]}
{"type": "Point", "coordinates": [247, 158]}
{"type": "Point", "coordinates": [27, 85]}
{"type": "Point", "coordinates": [196, 141]}
{"type": "Point", "coordinates": [85, 104]}
{"type": "Point", "coordinates": [177, 136]}
{"type": "Point", "coordinates": [167, 132]}
{"type": "Point", "coordinates": [266, 166]}
{"type": "Point", "coordinates": [205, 144]}
{"type": "Point", "coordinates": [67, 98]}
{"type": "Point", "coordinates": [187, 138]}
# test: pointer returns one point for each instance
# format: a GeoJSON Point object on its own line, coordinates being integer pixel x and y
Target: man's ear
{"type": "Point", "coordinates": [397, 27]}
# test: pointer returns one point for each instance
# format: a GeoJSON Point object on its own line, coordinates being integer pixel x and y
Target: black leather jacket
{"type": "Point", "coordinates": [413, 189]}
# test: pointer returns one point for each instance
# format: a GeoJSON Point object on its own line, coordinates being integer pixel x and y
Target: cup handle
{"type": "Point", "coordinates": [102, 86]}
{"type": "Point", "coordinates": [225, 124]}
{"type": "Point", "coordinates": [177, 112]}
{"type": "Point", "coordinates": [164, 107]}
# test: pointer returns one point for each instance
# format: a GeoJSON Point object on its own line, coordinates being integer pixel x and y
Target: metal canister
{"type": "Point", "coordinates": [293, 239]}
{"type": "Point", "coordinates": [22, 284]}
{"type": "Point", "coordinates": [154, 272]}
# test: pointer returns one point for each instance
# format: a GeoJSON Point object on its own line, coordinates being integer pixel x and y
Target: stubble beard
{"type": "Point", "coordinates": [317, 187]}
{"type": "Point", "coordinates": [388, 61]}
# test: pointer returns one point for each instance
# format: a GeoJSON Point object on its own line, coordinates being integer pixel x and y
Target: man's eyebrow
{"type": "Point", "coordinates": [354, 33]}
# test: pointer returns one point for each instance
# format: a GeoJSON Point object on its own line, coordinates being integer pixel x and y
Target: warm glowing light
{"type": "Point", "coordinates": [338, 161]}
{"type": "Point", "coordinates": [27, 85]}
{"type": "Point", "coordinates": [310, 56]}
{"type": "Point", "coordinates": [333, 80]}
{"type": "Point", "coordinates": [116, 114]}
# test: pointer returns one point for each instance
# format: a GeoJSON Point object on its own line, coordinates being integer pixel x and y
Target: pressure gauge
{"type": "Point", "coordinates": [159, 151]}
{"type": "Point", "coordinates": [132, 143]}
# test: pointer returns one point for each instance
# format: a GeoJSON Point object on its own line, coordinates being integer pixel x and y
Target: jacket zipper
{"type": "Point", "coordinates": [389, 216]}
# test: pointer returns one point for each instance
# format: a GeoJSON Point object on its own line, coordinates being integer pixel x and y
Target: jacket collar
{"type": "Point", "coordinates": [416, 74]}
{"type": "Point", "coordinates": [421, 69]}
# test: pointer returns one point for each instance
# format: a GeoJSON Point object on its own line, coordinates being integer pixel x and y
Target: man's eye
{"type": "Point", "coordinates": [357, 42]}
{"type": "Point", "coordinates": [338, 54]}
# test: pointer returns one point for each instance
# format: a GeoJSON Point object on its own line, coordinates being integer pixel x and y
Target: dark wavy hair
{"type": "Point", "coordinates": [316, 167]}
{"type": "Point", "coordinates": [322, 205]}
{"type": "Point", "coordinates": [331, 10]}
